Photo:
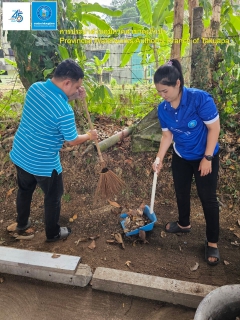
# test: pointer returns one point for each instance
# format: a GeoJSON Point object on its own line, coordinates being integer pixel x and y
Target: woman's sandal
{"type": "Point", "coordinates": [63, 234]}
{"type": "Point", "coordinates": [174, 228]}
{"type": "Point", "coordinates": [213, 253]}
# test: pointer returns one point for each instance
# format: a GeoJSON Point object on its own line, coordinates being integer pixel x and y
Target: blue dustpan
{"type": "Point", "coordinates": [147, 212]}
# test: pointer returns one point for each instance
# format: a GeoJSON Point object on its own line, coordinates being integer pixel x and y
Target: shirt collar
{"type": "Point", "coordinates": [183, 100]}
{"type": "Point", "coordinates": [51, 86]}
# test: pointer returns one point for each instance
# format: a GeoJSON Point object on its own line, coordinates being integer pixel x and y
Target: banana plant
{"type": "Point", "coordinates": [96, 66]}
{"type": "Point", "coordinates": [150, 36]}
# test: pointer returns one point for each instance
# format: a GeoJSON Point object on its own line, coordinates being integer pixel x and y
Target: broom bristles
{"type": "Point", "coordinates": [109, 185]}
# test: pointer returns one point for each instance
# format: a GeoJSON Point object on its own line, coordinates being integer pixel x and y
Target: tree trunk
{"type": "Point", "coordinates": [197, 66]}
{"type": "Point", "coordinates": [211, 33]}
{"type": "Point", "coordinates": [177, 29]}
{"type": "Point", "coordinates": [191, 5]}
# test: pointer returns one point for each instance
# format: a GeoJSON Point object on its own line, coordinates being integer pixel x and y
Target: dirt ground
{"type": "Point", "coordinates": [165, 255]}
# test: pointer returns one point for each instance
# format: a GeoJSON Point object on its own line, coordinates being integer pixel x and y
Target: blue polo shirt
{"type": "Point", "coordinates": [47, 121]}
{"type": "Point", "coordinates": [188, 122]}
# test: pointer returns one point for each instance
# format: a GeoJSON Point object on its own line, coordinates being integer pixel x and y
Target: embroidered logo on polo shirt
{"type": "Point", "coordinates": [192, 124]}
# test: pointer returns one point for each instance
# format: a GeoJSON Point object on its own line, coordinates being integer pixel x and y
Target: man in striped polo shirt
{"type": "Point", "coordinates": [47, 121]}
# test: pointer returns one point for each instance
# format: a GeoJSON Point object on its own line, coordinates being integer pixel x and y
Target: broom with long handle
{"type": "Point", "coordinates": [109, 183]}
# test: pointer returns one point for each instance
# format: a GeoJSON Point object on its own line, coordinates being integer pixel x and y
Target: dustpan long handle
{"type": "Point", "coordinates": [91, 127]}
{"type": "Point", "coordinates": [153, 192]}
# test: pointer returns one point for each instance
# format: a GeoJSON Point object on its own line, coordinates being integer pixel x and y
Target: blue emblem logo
{"type": "Point", "coordinates": [44, 15]}
{"type": "Point", "coordinates": [192, 124]}
{"type": "Point", "coordinates": [44, 12]}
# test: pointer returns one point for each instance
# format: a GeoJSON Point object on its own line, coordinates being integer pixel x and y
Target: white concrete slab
{"type": "Point", "coordinates": [40, 260]}
{"type": "Point", "coordinates": [173, 291]}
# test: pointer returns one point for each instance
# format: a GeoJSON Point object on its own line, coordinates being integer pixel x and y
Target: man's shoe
{"type": "Point", "coordinates": [25, 227]}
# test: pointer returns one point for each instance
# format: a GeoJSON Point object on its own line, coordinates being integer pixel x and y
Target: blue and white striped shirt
{"type": "Point", "coordinates": [47, 121]}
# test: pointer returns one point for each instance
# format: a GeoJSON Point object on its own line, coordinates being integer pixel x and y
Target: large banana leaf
{"type": "Point", "coordinates": [98, 22]}
{"type": "Point", "coordinates": [160, 12]}
{"type": "Point", "coordinates": [88, 7]}
{"type": "Point", "coordinates": [106, 57]}
{"type": "Point", "coordinates": [128, 51]}
{"type": "Point", "coordinates": [63, 52]}
{"type": "Point", "coordinates": [145, 9]}
{"type": "Point", "coordinates": [235, 21]}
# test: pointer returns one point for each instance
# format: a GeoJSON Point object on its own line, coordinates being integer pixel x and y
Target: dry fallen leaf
{"type": "Point", "coordinates": [29, 230]}
{"type": "Point", "coordinates": [1, 280]}
{"type": "Point", "coordinates": [74, 217]}
{"type": "Point", "coordinates": [80, 240]}
{"type": "Point", "coordinates": [21, 237]}
{"type": "Point", "coordinates": [55, 256]}
{"type": "Point", "coordinates": [94, 237]}
{"type": "Point", "coordinates": [235, 243]}
{"type": "Point", "coordinates": [238, 222]}
{"type": "Point", "coordinates": [1, 221]}
{"type": "Point", "coordinates": [195, 267]}
{"type": "Point", "coordinates": [231, 229]}
{"type": "Point", "coordinates": [111, 241]}
{"type": "Point", "coordinates": [128, 263]}
{"type": "Point", "coordinates": [237, 234]}
{"type": "Point", "coordinates": [10, 192]}
{"type": "Point", "coordinates": [163, 234]}
{"type": "Point", "coordinates": [114, 204]}
{"type": "Point", "coordinates": [225, 262]}
{"type": "Point", "coordinates": [128, 161]}
{"type": "Point", "coordinates": [2, 242]}
{"type": "Point", "coordinates": [70, 219]}
{"type": "Point", "coordinates": [12, 227]}
{"type": "Point", "coordinates": [92, 245]}
{"type": "Point", "coordinates": [119, 239]}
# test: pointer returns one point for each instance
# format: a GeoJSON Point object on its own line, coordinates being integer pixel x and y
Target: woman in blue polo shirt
{"type": "Point", "coordinates": [189, 118]}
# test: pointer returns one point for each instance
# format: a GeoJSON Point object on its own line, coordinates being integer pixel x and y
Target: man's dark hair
{"type": "Point", "coordinates": [169, 73]}
{"type": "Point", "coordinates": [68, 69]}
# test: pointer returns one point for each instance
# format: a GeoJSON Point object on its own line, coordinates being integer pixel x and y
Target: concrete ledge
{"type": "Point", "coordinates": [173, 291]}
{"type": "Point", "coordinates": [41, 265]}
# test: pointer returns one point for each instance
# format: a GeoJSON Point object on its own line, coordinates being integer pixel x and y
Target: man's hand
{"type": "Point", "coordinates": [80, 94]}
{"type": "Point", "coordinates": [92, 134]}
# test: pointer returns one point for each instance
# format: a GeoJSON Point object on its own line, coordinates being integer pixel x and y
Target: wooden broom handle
{"type": "Point", "coordinates": [91, 127]}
